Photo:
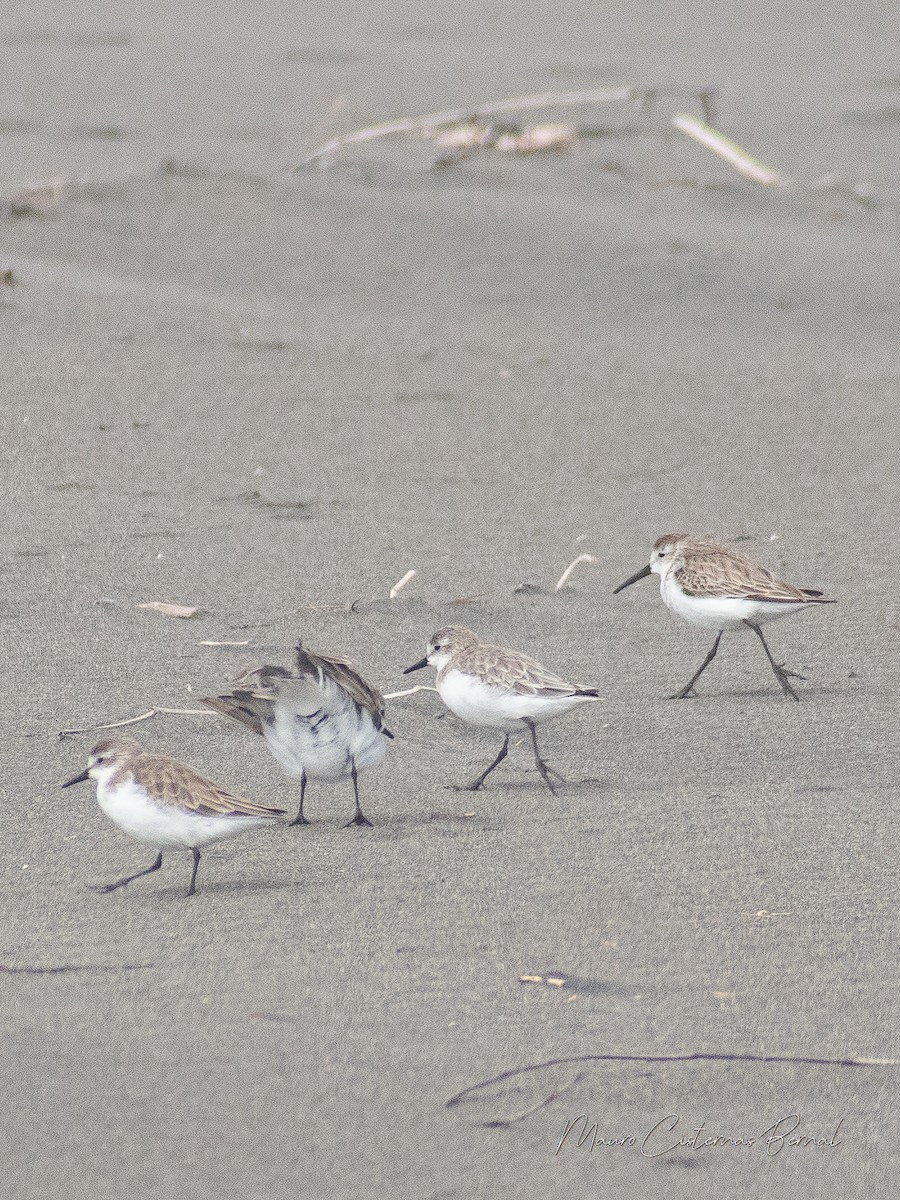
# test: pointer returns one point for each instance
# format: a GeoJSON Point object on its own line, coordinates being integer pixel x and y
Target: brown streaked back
{"type": "Point", "coordinates": [177, 785]}
{"type": "Point", "coordinates": [708, 569]}
{"type": "Point", "coordinates": [511, 670]}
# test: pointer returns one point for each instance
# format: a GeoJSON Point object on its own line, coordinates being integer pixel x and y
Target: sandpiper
{"type": "Point", "coordinates": [500, 688]}
{"type": "Point", "coordinates": [161, 801]}
{"type": "Point", "coordinates": [321, 721]}
{"type": "Point", "coordinates": [711, 586]}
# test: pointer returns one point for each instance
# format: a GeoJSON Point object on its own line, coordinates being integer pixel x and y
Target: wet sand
{"type": "Point", "coordinates": [270, 395]}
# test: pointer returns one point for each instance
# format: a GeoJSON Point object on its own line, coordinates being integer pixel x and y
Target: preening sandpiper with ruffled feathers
{"type": "Point", "coordinates": [321, 721]}
{"type": "Point", "coordinates": [714, 587]}
{"type": "Point", "coordinates": [498, 688]}
{"type": "Point", "coordinates": [165, 803]}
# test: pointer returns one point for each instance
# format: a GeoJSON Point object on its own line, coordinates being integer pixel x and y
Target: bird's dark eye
{"type": "Point", "coordinates": [100, 760]}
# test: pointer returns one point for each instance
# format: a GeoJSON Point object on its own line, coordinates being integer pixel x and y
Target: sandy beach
{"type": "Point", "coordinates": [269, 393]}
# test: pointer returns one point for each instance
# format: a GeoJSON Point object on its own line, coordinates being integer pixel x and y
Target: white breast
{"type": "Point", "coordinates": [160, 825]}
{"type": "Point", "coordinates": [720, 612]}
{"type": "Point", "coordinates": [322, 731]}
{"type": "Point", "coordinates": [478, 703]}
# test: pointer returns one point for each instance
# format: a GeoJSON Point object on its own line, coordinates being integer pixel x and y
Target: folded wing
{"type": "Point", "coordinates": [180, 786]}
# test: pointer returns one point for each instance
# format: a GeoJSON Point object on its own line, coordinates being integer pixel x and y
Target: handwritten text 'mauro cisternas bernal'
{"type": "Point", "coordinates": [668, 1135]}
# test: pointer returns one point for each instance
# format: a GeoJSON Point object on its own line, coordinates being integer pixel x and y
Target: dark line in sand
{"type": "Point", "coordinates": [698, 1056]}
{"type": "Point", "coordinates": [75, 967]}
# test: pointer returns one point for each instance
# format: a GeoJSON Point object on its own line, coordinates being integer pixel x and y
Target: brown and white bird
{"type": "Point", "coordinates": [712, 586]}
{"type": "Point", "coordinates": [164, 803]}
{"type": "Point", "coordinates": [321, 721]}
{"type": "Point", "coordinates": [502, 689]}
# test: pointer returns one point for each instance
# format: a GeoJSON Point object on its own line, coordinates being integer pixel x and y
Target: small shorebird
{"type": "Point", "coordinates": [165, 803]}
{"type": "Point", "coordinates": [499, 688]}
{"type": "Point", "coordinates": [710, 585]}
{"type": "Point", "coordinates": [321, 721]}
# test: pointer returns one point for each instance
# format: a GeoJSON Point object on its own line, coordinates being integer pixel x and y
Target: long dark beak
{"type": "Point", "coordinates": [423, 662]}
{"type": "Point", "coordinates": [82, 778]}
{"type": "Point", "coordinates": [641, 574]}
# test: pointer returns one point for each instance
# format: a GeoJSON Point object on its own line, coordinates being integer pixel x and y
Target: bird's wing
{"type": "Point", "coordinates": [716, 571]}
{"type": "Point", "coordinates": [179, 786]}
{"type": "Point", "coordinates": [251, 697]}
{"type": "Point", "coordinates": [339, 671]}
{"type": "Point", "coordinates": [513, 672]}
{"type": "Point", "coordinates": [231, 706]}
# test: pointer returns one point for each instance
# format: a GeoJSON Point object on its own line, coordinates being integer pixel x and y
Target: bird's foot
{"type": "Point", "coordinates": [784, 672]}
{"type": "Point", "coordinates": [782, 677]}
{"type": "Point", "coordinates": [546, 772]}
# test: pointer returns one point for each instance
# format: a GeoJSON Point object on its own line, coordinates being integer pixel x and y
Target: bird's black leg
{"type": "Point", "coordinates": [192, 889]}
{"type": "Point", "coordinates": [358, 818]}
{"type": "Point", "coordinates": [476, 783]}
{"type": "Point", "coordinates": [781, 673]}
{"type": "Point", "coordinates": [111, 887]}
{"type": "Point", "coordinates": [300, 819]}
{"type": "Point", "coordinates": [545, 770]}
{"type": "Point", "coordinates": [688, 688]}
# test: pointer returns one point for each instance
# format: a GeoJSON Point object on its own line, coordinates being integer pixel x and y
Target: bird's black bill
{"type": "Point", "coordinates": [423, 662]}
{"type": "Point", "coordinates": [641, 574]}
{"type": "Point", "coordinates": [82, 778]}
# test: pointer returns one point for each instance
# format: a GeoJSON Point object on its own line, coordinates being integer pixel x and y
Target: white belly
{"type": "Point", "coordinates": [324, 747]}
{"type": "Point", "coordinates": [479, 704]}
{"type": "Point", "coordinates": [721, 612]}
{"type": "Point", "coordinates": [164, 827]}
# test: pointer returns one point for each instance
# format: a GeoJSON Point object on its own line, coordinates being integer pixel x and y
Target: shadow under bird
{"type": "Point", "coordinates": [499, 688]}
{"type": "Point", "coordinates": [321, 721]}
{"type": "Point", "coordinates": [161, 801]}
{"type": "Point", "coordinates": [712, 586]}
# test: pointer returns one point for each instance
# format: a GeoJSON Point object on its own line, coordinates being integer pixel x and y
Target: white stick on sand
{"type": "Point", "coordinates": [152, 712]}
{"type": "Point", "coordinates": [733, 154]}
{"type": "Point", "coordinates": [400, 585]}
{"type": "Point", "coordinates": [564, 578]}
{"type": "Point", "coordinates": [422, 687]}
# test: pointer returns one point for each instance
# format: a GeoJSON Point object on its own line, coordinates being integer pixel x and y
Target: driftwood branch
{"type": "Point", "coordinates": [735, 155]}
{"type": "Point", "coordinates": [151, 712]}
{"type": "Point", "coordinates": [401, 584]}
{"type": "Point", "coordinates": [430, 121]}
{"type": "Point", "coordinates": [564, 578]}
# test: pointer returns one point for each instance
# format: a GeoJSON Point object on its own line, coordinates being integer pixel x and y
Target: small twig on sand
{"type": "Point", "coordinates": [564, 578]}
{"type": "Point", "coordinates": [184, 611]}
{"type": "Point", "coordinates": [430, 121]}
{"type": "Point", "coordinates": [346, 606]}
{"type": "Point", "coordinates": [504, 1077]}
{"type": "Point", "coordinates": [400, 585]}
{"type": "Point", "coordinates": [152, 712]}
{"type": "Point", "coordinates": [713, 140]}
{"type": "Point", "coordinates": [422, 687]}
